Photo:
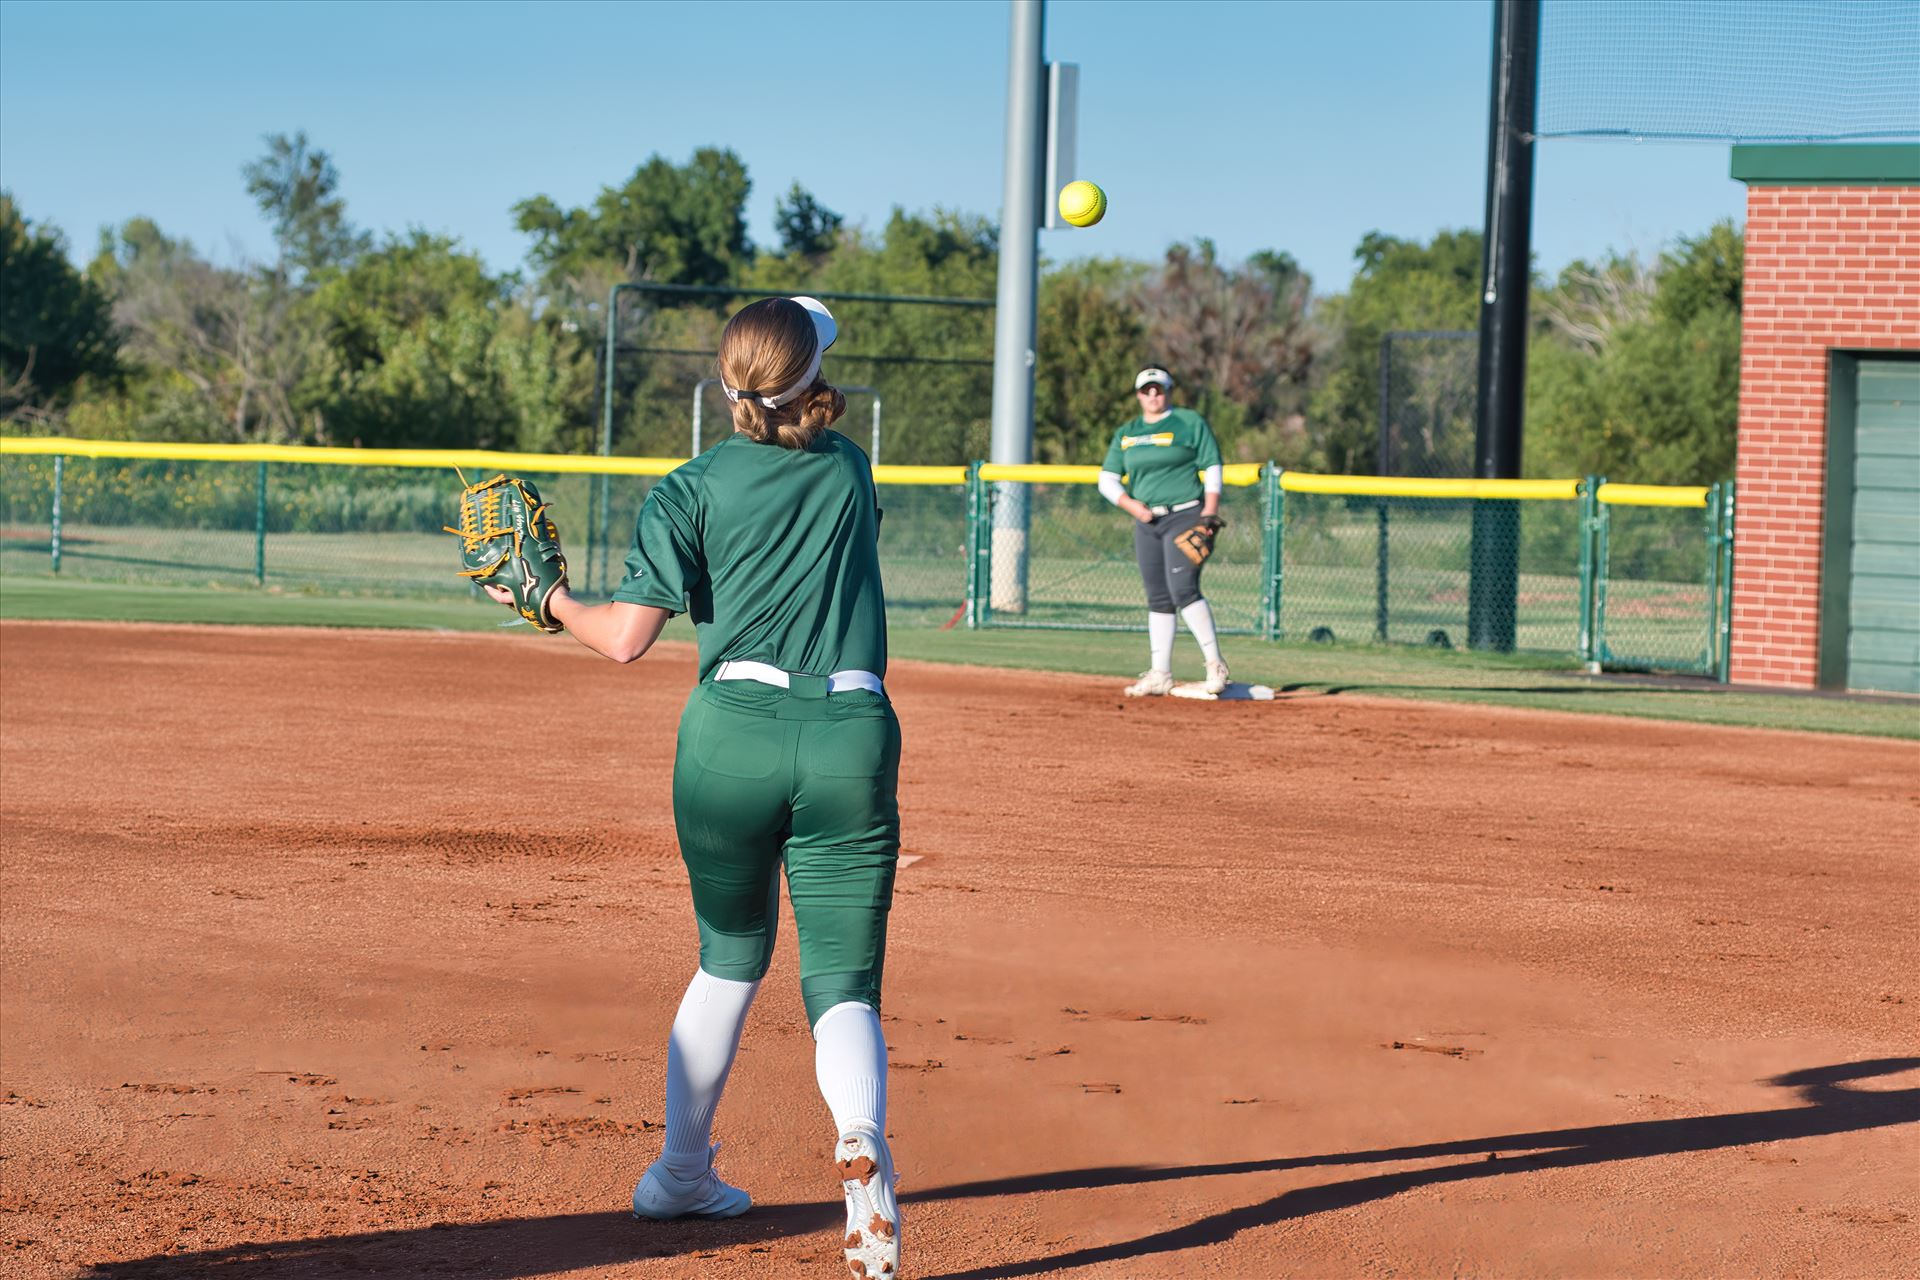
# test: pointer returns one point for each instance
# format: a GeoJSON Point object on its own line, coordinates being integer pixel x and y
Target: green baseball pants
{"type": "Point", "coordinates": [764, 775]}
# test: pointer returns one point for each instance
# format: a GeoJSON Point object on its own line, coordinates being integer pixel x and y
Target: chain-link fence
{"type": "Point", "coordinates": [1080, 568]}
{"type": "Point", "coordinates": [356, 531]}
{"type": "Point", "coordinates": [923, 551]}
{"type": "Point", "coordinates": [1399, 570]}
{"type": "Point", "coordinates": [1631, 577]}
{"type": "Point", "coordinates": [1663, 582]}
{"type": "Point", "coordinates": [1617, 575]}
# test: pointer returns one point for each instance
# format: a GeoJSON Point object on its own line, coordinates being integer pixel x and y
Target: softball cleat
{"type": "Point", "coordinates": [864, 1166]}
{"type": "Point", "coordinates": [1151, 684]}
{"type": "Point", "coordinates": [662, 1197]}
{"type": "Point", "coordinates": [1216, 677]}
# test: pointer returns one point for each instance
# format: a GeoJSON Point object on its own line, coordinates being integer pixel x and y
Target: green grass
{"type": "Point", "coordinates": [1080, 566]}
{"type": "Point", "coordinates": [1542, 682]}
{"type": "Point", "coordinates": [120, 602]}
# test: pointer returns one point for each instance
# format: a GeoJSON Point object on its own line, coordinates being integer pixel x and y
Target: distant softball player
{"type": "Point", "coordinates": [788, 753]}
{"type": "Point", "coordinates": [1163, 469]}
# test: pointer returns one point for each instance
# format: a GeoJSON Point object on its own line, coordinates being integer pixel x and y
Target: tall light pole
{"type": "Point", "coordinates": [1493, 589]}
{"type": "Point", "coordinates": [1015, 310]}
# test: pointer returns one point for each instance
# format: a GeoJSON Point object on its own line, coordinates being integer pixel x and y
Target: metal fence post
{"type": "Point", "coordinates": [260, 528]}
{"type": "Point", "coordinates": [978, 567]}
{"type": "Point", "coordinates": [971, 599]}
{"type": "Point", "coordinates": [1711, 528]}
{"type": "Point", "coordinates": [1589, 499]}
{"type": "Point", "coordinates": [59, 479]}
{"type": "Point", "coordinates": [1269, 552]}
{"type": "Point", "coordinates": [1723, 642]}
{"type": "Point", "coordinates": [1277, 536]}
{"type": "Point", "coordinates": [1602, 557]}
{"type": "Point", "coordinates": [605, 534]}
{"type": "Point", "coordinates": [593, 507]}
{"type": "Point", "coordinates": [1380, 570]}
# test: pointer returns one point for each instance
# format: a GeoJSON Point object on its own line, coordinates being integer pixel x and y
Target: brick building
{"type": "Point", "coordinates": [1826, 586]}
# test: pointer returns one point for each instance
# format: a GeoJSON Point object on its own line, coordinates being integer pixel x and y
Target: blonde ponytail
{"type": "Point", "coordinates": [750, 419]}
{"type": "Point", "coordinates": [767, 346]}
{"type": "Point", "coordinates": [820, 408]}
{"type": "Point", "coordinates": [793, 426]}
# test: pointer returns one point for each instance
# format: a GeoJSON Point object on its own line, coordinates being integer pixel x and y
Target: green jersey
{"type": "Point", "coordinates": [773, 552]}
{"type": "Point", "coordinates": [1160, 462]}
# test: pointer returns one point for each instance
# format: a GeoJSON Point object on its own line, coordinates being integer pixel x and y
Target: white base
{"type": "Point", "coordinates": [1235, 692]}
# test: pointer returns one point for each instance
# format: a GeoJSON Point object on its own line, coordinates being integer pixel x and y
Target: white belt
{"type": "Point", "coordinates": [1178, 506]}
{"type": "Point", "coordinates": [838, 682]}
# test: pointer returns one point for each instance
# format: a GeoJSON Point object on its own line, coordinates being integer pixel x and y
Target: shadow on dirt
{"type": "Point", "coordinates": [1833, 1110]}
{"type": "Point", "coordinates": [561, 1243]}
{"type": "Point", "coordinates": [1335, 690]}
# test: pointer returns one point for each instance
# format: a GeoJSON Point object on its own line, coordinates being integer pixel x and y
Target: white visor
{"type": "Point", "coordinates": [824, 332]}
{"type": "Point", "coordinates": [1147, 376]}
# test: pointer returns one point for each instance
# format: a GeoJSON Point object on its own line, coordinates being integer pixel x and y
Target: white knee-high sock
{"type": "Point", "coordinates": [706, 1033]}
{"type": "Point", "coordinates": [850, 1062]}
{"type": "Point", "coordinates": [1199, 616]}
{"type": "Point", "coordinates": [1160, 629]}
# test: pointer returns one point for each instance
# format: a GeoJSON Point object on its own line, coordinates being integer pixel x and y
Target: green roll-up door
{"type": "Point", "coordinates": [1883, 610]}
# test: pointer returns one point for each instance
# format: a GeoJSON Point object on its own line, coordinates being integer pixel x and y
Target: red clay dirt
{"type": "Point", "coordinates": [348, 953]}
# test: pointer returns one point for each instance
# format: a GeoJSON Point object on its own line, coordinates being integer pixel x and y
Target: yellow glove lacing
{"type": "Point", "coordinates": [484, 525]}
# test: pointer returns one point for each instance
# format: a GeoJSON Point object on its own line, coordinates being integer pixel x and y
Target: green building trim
{"type": "Point", "coordinates": [1863, 164]}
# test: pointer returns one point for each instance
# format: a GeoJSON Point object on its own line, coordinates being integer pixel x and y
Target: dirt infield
{"type": "Point", "coordinates": [1317, 987]}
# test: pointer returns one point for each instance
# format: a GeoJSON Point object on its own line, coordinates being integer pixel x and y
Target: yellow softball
{"type": "Point", "coordinates": [1082, 203]}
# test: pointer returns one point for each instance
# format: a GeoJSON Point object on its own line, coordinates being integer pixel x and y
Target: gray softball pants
{"type": "Point", "coordinates": [1172, 580]}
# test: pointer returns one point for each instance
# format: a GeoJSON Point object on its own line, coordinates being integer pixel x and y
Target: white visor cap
{"type": "Point", "coordinates": [824, 332]}
{"type": "Point", "coordinates": [823, 326]}
{"type": "Point", "coordinates": [1160, 376]}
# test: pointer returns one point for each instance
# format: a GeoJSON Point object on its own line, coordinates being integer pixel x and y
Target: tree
{"type": "Point", "coordinates": [422, 348]}
{"type": "Point", "coordinates": [1090, 339]}
{"type": "Point", "coordinates": [406, 330]}
{"type": "Point", "coordinates": [1235, 337]}
{"type": "Point", "coordinates": [1647, 390]}
{"type": "Point", "coordinates": [807, 228]}
{"type": "Point", "coordinates": [295, 185]}
{"type": "Point", "coordinates": [545, 377]}
{"type": "Point", "coordinates": [668, 223]}
{"type": "Point", "coordinates": [1703, 276]}
{"type": "Point", "coordinates": [55, 324]}
{"type": "Point", "coordinates": [219, 350]}
{"type": "Point", "coordinates": [1589, 303]}
{"type": "Point", "coordinates": [931, 364]}
{"type": "Point", "coordinates": [1401, 284]}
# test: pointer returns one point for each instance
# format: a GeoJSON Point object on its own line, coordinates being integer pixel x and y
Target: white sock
{"type": "Point", "coordinates": [706, 1033]}
{"type": "Point", "coordinates": [1199, 616]}
{"type": "Point", "coordinates": [850, 1062]}
{"type": "Point", "coordinates": [1160, 629]}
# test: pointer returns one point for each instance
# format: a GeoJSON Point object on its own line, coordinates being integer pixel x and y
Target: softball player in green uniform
{"type": "Point", "coordinates": [1163, 469]}
{"type": "Point", "coordinates": [788, 754]}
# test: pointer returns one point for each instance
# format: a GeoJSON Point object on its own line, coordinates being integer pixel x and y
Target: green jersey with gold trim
{"type": "Point", "coordinates": [1160, 462]}
{"type": "Point", "coordinates": [773, 552]}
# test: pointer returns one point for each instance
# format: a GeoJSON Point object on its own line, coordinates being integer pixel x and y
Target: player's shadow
{"type": "Point", "coordinates": [1335, 690]}
{"type": "Point", "coordinates": [523, 1247]}
{"type": "Point", "coordinates": [1833, 1109]}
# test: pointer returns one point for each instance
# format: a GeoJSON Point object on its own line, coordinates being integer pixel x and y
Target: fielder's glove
{"type": "Point", "coordinates": [507, 540]}
{"type": "Point", "coordinates": [1197, 543]}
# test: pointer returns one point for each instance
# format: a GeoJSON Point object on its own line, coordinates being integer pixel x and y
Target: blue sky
{"type": "Point", "coordinates": [1292, 126]}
